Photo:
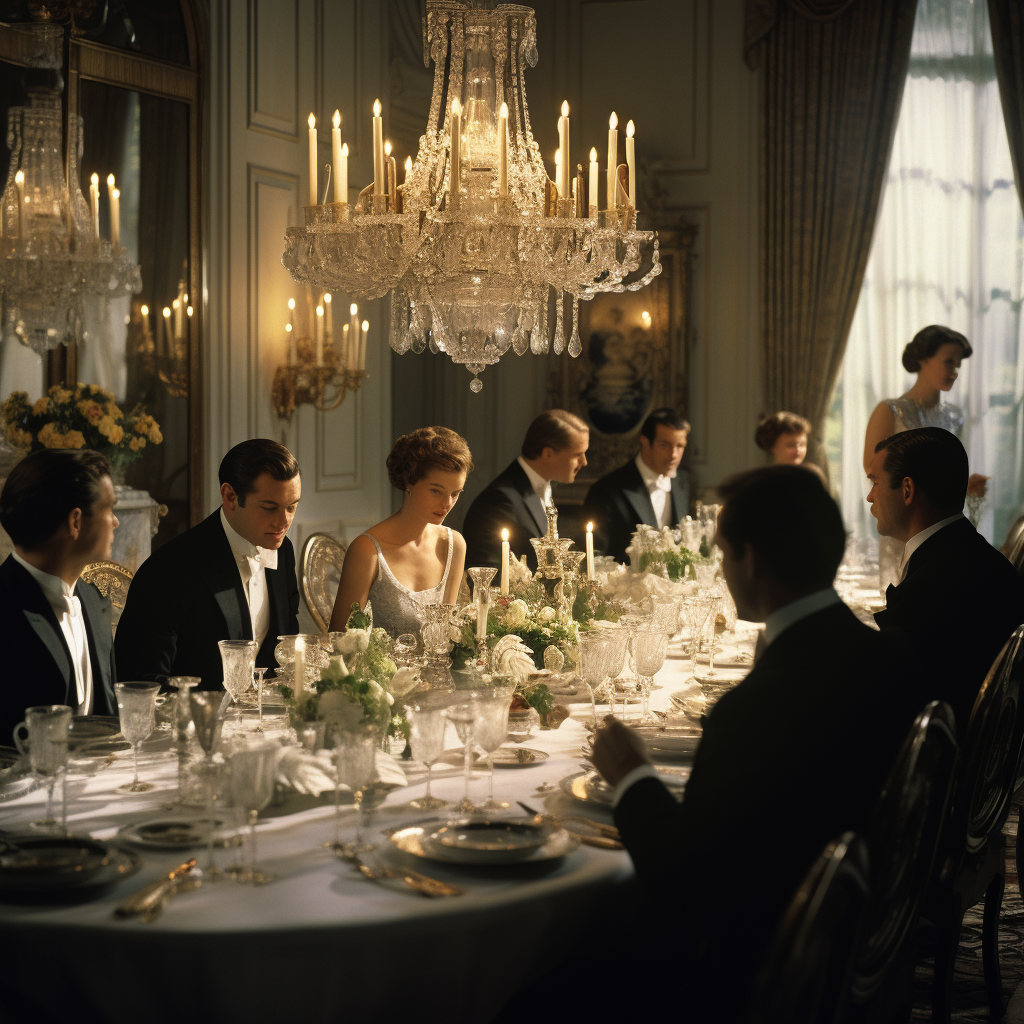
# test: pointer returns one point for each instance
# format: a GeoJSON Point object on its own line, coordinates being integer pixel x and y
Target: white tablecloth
{"type": "Point", "coordinates": [321, 943]}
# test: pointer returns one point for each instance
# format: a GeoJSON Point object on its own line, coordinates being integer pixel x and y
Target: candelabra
{"type": "Point", "coordinates": [474, 240]}
{"type": "Point", "coordinates": [317, 373]}
{"type": "Point", "coordinates": [52, 253]}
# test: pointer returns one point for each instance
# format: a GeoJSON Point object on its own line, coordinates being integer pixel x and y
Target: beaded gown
{"type": "Point", "coordinates": [396, 608]}
{"type": "Point", "coordinates": [908, 415]}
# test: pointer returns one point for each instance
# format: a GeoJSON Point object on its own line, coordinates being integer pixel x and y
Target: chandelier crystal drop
{"type": "Point", "coordinates": [471, 248]}
{"type": "Point", "coordinates": [52, 255]}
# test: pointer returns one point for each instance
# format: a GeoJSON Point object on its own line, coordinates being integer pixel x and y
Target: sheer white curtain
{"type": "Point", "coordinates": [948, 249]}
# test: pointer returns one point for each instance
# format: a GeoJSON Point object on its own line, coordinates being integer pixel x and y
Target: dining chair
{"type": "Point", "coordinates": [972, 862]}
{"type": "Point", "coordinates": [903, 841]}
{"type": "Point", "coordinates": [112, 580]}
{"type": "Point", "coordinates": [1013, 546]}
{"type": "Point", "coordinates": [320, 575]}
{"type": "Point", "coordinates": [807, 971]}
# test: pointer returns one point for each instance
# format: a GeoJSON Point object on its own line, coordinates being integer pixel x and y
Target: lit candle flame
{"type": "Point", "coordinates": [376, 108]}
{"type": "Point", "coordinates": [456, 107]}
{"type": "Point", "coordinates": [353, 309]}
{"type": "Point", "coordinates": [327, 298]}
{"type": "Point", "coordinates": [565, 108]}
{"type": "Point", "coordinates": [19, 178]}
{"type": "Point", "coordinates": [630, 130]}
{"type": "Point", "coordinates": [387, 149]}
{"type": "Point", "coordinates": [504, 534]}
{"type": "Point", "coordinates": [188, 310]}
{"type": "Point", "coordinates": [590, 527]}
{"type": "Point", "coordinates": [408, 166]}
{"type": "Point", "coordinates": [110, 181]}
{"type": "Point", "coordinates": [344, 149]}
{"type": "Point", "coordinates": [95, 179]}
{"type": "Point", "coordinates": [144, 310]}
{"type": "Point", "coordinates": [319, 310]}
{"type": "Point", "coordinates": [593, 155]}
{"type": "Point", "coordinates": [613, 121]}
{"type": "Point", "coordinates": [288, 328]}
{"type": "Point", "coordinates": [291, 303]}
{"type": "Point", "coordinates": [503, 111]}
{"type": "Point", "coordinates": [167, 313]}
{"type": "Point", "coordinates": [116, 193]}
{"type": "Point", "coordinates": [337, 119]}
{"type": "Point", "coordinates": [176, 304]}
{"type": "Point", "coordinates": [366, 325]}
{"type": "Point", "coordinates": [312, 121]}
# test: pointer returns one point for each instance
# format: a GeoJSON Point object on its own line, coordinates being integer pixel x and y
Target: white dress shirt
{"type": "Point", "coordinates": [68, 610]}
{"type": "Point", "coordinates": [253, 562]}
{"type": "Point", "coordinates": [541, 486]}
{"type": "Point", "coordinates": [774, 626]}
{"type": "Point", "coordinates": [659, 487]}
{"type": "Point", "coordinates": [918, 539]}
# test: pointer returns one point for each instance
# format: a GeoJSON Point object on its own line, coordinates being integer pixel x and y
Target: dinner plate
{"type": "Point", "coordinates": [414, 840]}
{"type": "Point", "coordinates": [47, 863]}
{"type": "Point", "coordinates": [734, 658]}
{"type": "Point", "coordinates": [676, 739]}
{"type": "Point", "coordinates": [168, 833]}
{"type": "Point", "coordinates": [483, 842]}
{"type": "Point", "coordinates": [85, 730]}
{"type": "Point", "coordinates": [589, 788]}
{"type": "Point", "coordinates": [518, 757]}
{"type": "Point", "coordinates": [120, 863]}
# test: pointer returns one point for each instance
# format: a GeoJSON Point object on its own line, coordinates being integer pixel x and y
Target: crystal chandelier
{"type": "Point", "coordinates": [477, 237]}
{"type": "Point", "coordinates": [52, 253]}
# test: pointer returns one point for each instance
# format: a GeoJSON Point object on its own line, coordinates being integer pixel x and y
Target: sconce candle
{"type": "Point", "coordinates": [19, 180]}
{"type": "Point", "coordinates": [613, 157]}
{"type": "Point", "coordinates": [594, 172]}
{"type": "Point", "coordinates": [167, 330]}
{"type": "Point", "coordinates": [631, 163]}
{"type": "Point", "coordinates": [319, 335]}
{"type": "Point", "coordinates": [564, 188]}
{"type": "Point", "coordinates": [328, 319]}
{"type": "Point", "coordinates": [503, 150]}
{"type": "Point", "coordinates": [340, 187]}
{"type": "Point", "coordinates": [378, 150]}
{"type": "Point", "coordinates": [353, 334]}
{"type": "Point", "coordinates": [115, 217]}
{"type": "Point", "coordinates": [361, 367]}
{"type": "Point", "coordinates": [94, 195]}
{"type": "Point", "coordinates": [455, 155]}
{"type": "Point", "coordinates": [312, 160]}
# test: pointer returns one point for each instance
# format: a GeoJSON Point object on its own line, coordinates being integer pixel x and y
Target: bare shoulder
{"type": "Point", "coordinates": [458, 543]}
{"type": "Point", "coordinates": [363, 548]}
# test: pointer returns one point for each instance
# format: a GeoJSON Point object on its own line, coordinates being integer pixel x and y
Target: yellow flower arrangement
{"type": "Point", "coordinates": [85, 416]}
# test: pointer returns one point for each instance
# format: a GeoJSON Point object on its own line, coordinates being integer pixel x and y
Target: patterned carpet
{"type": "Point", "coordinates": [969, 1002]}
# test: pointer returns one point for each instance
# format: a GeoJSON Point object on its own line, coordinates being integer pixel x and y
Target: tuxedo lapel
{"type": "Point", "coordinates": [277, 585]}
{"type": "Point", "coordinates": [96, 612]}
{"type": "Point", "coordinates": [680, 499]}
{"type": "Point", "coordinates": [220, 574]}
{"type": "Point", "coordinates": [639, 497]}
{"type": "Point", "coordinates": [531, 499]}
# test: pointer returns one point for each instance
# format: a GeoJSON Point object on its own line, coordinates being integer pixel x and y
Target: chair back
{"type": "Point", "coordinates": [806, 974]}
{"type": "Point", "coordinates": [991, 754]}
{"type": "Point", "coordinates": [112, 580]}
{"type": "Point", "coordinates": [464, 596]}
{"type": "Point", "coordinates": [903, 843]}
{"type": "Point", "coordinates": [320, 575]}
{"type": "Point", "coordinates": [1013, 546]}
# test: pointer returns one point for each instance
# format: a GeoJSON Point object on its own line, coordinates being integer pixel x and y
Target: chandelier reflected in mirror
{"type": "Point", "coordinates": [52, 253]}
{"type": "Point", "coordinates": [475, 240]}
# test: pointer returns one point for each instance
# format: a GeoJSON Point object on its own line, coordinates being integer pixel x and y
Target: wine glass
{"type": "Point", "coordinates": [649, 648]}
{"type": "Point", "coordinates": [252, 787]}
{"type": "Point", "coordinates": [46, 731]}
{"type": "Point", "coordinates": [491, 731]}
{"type": "Point", "coordinates": [259, 673]}
{"type": "Point", "coordinates": [426, 737]}
{"type": "Point", "coordinates": [136, 705]}
{"type": "Point", "coordinates": [615, 659]}
{"type": "Point", "coordinates": [463, 717]}
{"type": "Point", "coordinates": [593, 659]}
{"type": "Point", "coordinates": [713, 599]}
{"type": "Point", "coordinates": [355, 754]}
{"type": "Point", "coordinates": [238, 658]}
{"type": "Point", "coordinates": [208, 717]}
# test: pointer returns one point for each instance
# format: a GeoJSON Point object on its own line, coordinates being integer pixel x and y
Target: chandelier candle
{"type": "Point", "coordinates": [312, 160]}
{"type": "Point", "coordinates": [328, 320]}
{"type": "Point", "coordinates": [594, 177]}
{"type": "Point", "coordinates": [504, 561]}
{"type": "Point", "coordinates": [345, 330]}
{"type": "Point", "coordinates": [361, 366]}
{"type": "Point", "coordinates": [613, 157]}
{"type": "Point", "coordinates": [340, 187]}
{"type": "Point", "coordinates": [353, 334]}
{"type": "Point", "coordinates": [319, 335]}
{"type": "Point", "coordinates": [631, 163]}
{"type": "Point", "coordinates": [456, 150]}
{"type": "Point", "coordinates": [342, 174]}
{"type": "Point", "coordinates": [19, 180]}
{"type": "Point", "coordinates": [293, 351]}
{"type": "Point", "coordinates": [503, 150]}
{"type": "Point", "coordinates": [115, 218]}
{"type": "Point", "coordinates": [564, 189]}
{"type": "Point", "coordinates": [378, 151]}
{"type": "Point", "coordinates": [167, 330]}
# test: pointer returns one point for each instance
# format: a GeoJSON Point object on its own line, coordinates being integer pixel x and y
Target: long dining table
{"type": "Point", "coordinates": [321, 942]}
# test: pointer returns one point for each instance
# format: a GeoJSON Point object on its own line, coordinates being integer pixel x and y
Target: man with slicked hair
{"type": "Point", "coordinates": [232, 577]}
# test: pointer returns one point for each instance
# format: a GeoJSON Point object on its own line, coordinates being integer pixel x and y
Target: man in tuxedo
{"type": "Point", "coordinates": [957, 599]}
{"type": "Point", "coordinates": [232, 577]}
{"type": "Point", "coordinates": [555, 448]}
{"type": "Point", "coordinates": [648, 489]}
{"type": "Point", "coordinates": [793, 756]}
{"type": "Point", "coordinates": [57, 506]}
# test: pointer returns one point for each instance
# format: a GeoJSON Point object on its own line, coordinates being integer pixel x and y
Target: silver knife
{"type": "Point", "coordinates": [151, 895]}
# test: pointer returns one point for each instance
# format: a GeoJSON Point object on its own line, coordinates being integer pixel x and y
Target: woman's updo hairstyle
{"type": "Point", "coordinates": [771, 428]}
{"type": "Point", "coordinates": [415, 454]}
{"type": "Point", "coordinates": [928, 341]}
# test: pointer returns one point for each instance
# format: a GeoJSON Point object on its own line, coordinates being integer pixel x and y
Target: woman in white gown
{"type": "Point", "coordinates": [410, 559]}
{"type": "Point", "coordinates": [935, 355]}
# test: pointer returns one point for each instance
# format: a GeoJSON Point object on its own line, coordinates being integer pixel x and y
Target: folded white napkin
{"type": "Point", "coordinates": [313, 774]}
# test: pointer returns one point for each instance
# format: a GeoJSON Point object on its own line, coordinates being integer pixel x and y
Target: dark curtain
{"type": "Point", "coordinates": [832, 75]}
{"type": "Point", "coordinates": [1007, 20]}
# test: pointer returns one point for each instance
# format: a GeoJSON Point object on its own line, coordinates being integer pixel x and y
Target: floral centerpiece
{"type": "Point", "coordinates": [657, 551]}
{"type": "Point", "coordinates": [85, 416]}
{"type": "Point", "coordinates": [359, 684]}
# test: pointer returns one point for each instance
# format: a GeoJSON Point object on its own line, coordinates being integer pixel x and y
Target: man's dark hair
{"type": "Point", "coordinates": [935, 460]}
{"type": "Point", "coordinates": [553, 428]}
{"type": "Point", "coordinates": [791, 521]}
{"type": "Point", "coordinates": [663, 417]}
{"type": "Point", "coordinates": [250, 459]}
{"type": "Point", "coordinates": [44, 488]}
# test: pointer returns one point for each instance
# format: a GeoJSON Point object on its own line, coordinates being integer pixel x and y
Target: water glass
{"type": "Point", "coordinates": [259, 673]}
{"type": "Point", "coordinates": [463, 717]}
{"type": "Point", "coordinates": [46, 745]}
{"type": "Point", "coordinates": [593, 661]}
{"type": "Point", "coordinates": [252, 788]}
{"type": "Point", "coordinates": [491, 732]}
{"type": "Point", "coordinates": [355, 753]}
{"type": "Point", "coordinates": [649, 649]}
{"type": "Point", "coordinates": [208, 709]}
{"type": "Point", "coordinates": [426, 737]}
{"type": "Point", "coordinates": [136, 705]}
{"type": "Point", "coordinates": [238, 658]}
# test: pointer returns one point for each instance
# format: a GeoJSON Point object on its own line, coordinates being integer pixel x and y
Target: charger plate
{"type": "Point", "coordinates": [416, 840]}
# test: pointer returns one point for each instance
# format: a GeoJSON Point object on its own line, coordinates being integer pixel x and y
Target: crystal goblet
{"type": "Point", "coordinates": [649, 647]}
{"type": "Point", "coordinates": [208, 708]}
{"type": "Point", "coordinates": [618, 645]}
{"type": "Point", "coordinates": [252, 788]}
{"type": "Point", "coordinates": [490, 732]}
{"type": "Point", "coordinates": [426, 737]}
{"type": "Point", "coordinates": [46, 746]}
{"type": "Point", "coordinates": [463, 717]}
{"type": "Point", "coordinates": [593, 659]}
{"type": "Point", "coordinates": [136, 705]}
{"type": "Point", "coordinates": [259, 673]}
{"type": "Point", "coordinates": [355, 753]}
{"type": "Point", "coordinates": [238, 658]}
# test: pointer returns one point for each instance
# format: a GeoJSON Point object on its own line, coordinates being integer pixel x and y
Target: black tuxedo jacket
{"type": "Point", "coordinates": [619, 501]}
{"type": "Point", "coordinates": [508, 502]}
{"type": "Point", "coordinates": [791, 758]}
{"type": "Point", "coordinates": [37, 662]}
{"type": "Point", "coordinates": [957, 605]}
{"type": "Point", "coordinates": [188, 595]}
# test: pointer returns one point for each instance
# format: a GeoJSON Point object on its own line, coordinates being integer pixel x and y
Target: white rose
{"type": "Point", "coordinates": [455, 635]}
{"type": "Point", "coordinates": [355, 641]}
{"type": "Point", "coordinates": [405, 680]}
{"type": "Point", "coordinates": [546, 614]}
{"type": "Point", "coordinates": [337, 707]}
{"type": "Point", "coordinates": [517, 613]}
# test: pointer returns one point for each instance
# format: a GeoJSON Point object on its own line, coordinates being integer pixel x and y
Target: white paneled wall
{"type": "Point", "coordinates": [272, 62]}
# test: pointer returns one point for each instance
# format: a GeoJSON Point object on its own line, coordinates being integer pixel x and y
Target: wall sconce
{"type": "Point", "coordinates": [166, 356]}
{"type": "Point", "coordinates": [317, 372]}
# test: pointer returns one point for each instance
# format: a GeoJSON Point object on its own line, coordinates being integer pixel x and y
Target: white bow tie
{"type": "Point", "coordinates": [73, 606]}
{"type": "Point", "coordinates": [265, 558]}
{"type": "Point", "coordinates": [663, 483]}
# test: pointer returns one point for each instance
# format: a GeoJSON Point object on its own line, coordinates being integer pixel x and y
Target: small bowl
{"type": "Point", "coordinates": [521, 724]}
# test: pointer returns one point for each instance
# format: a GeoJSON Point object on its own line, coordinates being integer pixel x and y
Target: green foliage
{"type": "Point", "coordinates": [358, 619]}
{"type": "Point", "coordinates": [677, 561]}
{"type": "Point", "coordinates": [538, 696]}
